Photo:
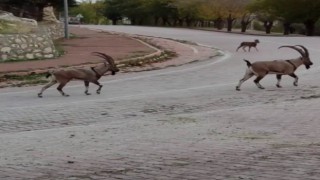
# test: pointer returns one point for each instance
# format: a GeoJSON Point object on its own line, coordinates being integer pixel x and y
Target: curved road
{"type": "Point", "coordinates": [184, 122]}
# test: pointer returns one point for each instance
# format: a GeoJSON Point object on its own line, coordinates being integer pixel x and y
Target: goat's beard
{"type": "Point", "coordinates": [307, 66]}
{"type": "Point", "coordinates": [113, 72]}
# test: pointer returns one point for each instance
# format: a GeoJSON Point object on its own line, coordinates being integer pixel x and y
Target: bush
{"type": "Point", "coordinates": [299, 28]}
{"type": "Point", "coordinates": [258, 26]}
{"type": "Point", "coordinates": [7, 27]}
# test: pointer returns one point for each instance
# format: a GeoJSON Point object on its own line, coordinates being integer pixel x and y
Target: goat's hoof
{"type": "Point", "coordinates": [98, 92]}
{"type": "Point", "coordinates": [295, 84]}
{"type": "Point", "coordinates": [261, 88]}
{"type": "Point", "coordinates": [66, 95]}
{"type": "Point", "coordinates": [88, 94]}
{"type": "Point", "coordinates": [237, 88]}
{"type": "Point", "coordinates": [278, 86]}
{"type": "Point", "coordinates": [40, 95]}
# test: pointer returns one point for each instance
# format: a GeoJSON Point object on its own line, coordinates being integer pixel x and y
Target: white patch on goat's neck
{"type": "Point", "coordinates": [297, 62]}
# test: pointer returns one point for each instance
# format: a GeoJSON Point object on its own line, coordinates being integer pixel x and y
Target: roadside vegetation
{"type": "Point", "coordinates": [285, 16]}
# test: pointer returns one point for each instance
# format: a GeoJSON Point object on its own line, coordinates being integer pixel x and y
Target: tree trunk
{"type": "Point", "coordinates": [243, 26]}
{"type": "Point", "coordinates": [202, 23]}
{"type": "Point", "coordinates": [165, 21]}
{"type": "Point", "coordinates": [114, 21]}
{"type": "Point", "coordinates": [310, 27]}
{"type": "Point", "coordinates": [218, 23]}
{"type": "Point", "coordinates": [140, 22]}
{"type": "Point", "coordinates": [156, 21]}
{"type": "Point", "coordinates": [40, 12]}
{"type": "Point", "coordinates": [188, 21]}
{"type": "Point", "coordinates": [180, 22]}
{"type": "Point", "coordinates": [268, 26]}
{"type": "Point", "coordinates": [286, 28]}
{"type": "Point", "coordinates": [133, 21]}
{"type": "Point", "coordinates": [230, 22]}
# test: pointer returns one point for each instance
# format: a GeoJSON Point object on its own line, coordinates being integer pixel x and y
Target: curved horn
{"type": "Point", "coordinates": [108, 58]}
{"type": "Point", "coordinates": [295, 48]}
{"type": "Point", "coordinates": [305, 50]}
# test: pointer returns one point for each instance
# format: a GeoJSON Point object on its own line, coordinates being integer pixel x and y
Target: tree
{"type": "Point", "coordinates": [309, 14]}
{"type": "Point", "coordinates": [246, 19]}
{"type": "Point", "coordinates": [220, 10]}
{"type": "Point", "coordinates": [93, 13]}
{"type": "Point", "coordinates": [263, 13]}
{"type": "Point", "coordinates": [233, 10]}
{"type": "Point", "coordinates": [35, 5]}
{"type": "Point", "coordinates": [113, 10]}
{"type": "Point", "coordinates": [290, 11]}
{"type": "Point", "coordinates": [161, 10]}
{"type": "Point", "coordinates": [187, 11]}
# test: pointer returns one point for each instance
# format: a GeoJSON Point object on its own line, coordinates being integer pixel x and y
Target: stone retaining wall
{"type": "Point", "coordinates": [38, 45]}
{"type": "Point", "coordinates": [56, 31]}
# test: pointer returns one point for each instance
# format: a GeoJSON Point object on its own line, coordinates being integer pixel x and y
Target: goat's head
{"type": "Point", "coordinates": [304, 53]}
{"type": "Point", "coordinates": [112, 66]}
{"type": "Point", "coordinates": [257, 41]}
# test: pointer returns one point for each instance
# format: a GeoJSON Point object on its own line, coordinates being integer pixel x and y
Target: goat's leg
{"type": "Point", "coordinates": [98, 84]}
{"type": "Point", "coordinates": [279, 79]}
{"type": "Point", "coordinates": [86, 84]}
{"type": "Point", "coordinates": [59, 88]}
{"type": "Point", "coordinates": [257, 80]}
{"type": "Point", "coordinates": [51, 83]}
{"type": "Point", "coordinates": [244, 48]}
{"type": "Point", "coordinates": [238, 48]}
{"type": "Point", "coordinates": [256, 48]}
{"type": "Point", "coordinates": [295, 83]}
{"type": "Point", "coordinates": [247, 76]}
{"type": "Point", "coordinates": [249, 48]}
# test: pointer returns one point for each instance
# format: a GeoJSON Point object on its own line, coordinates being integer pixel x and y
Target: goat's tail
{"type": "Point", "coordinates": [248, 63]}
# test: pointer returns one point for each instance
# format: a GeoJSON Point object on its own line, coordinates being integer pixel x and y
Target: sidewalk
{"type": "Point", "coordinates": [78, 51]}
{"type": "Point", "coordinates": [120, 46]}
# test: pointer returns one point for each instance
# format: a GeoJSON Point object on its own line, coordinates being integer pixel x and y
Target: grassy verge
{"type": "Point", "coordinates": [16, 80]}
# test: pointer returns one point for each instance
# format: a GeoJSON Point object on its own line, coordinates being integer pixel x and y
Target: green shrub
{"type": "Point", "coordinates": [7, 27]}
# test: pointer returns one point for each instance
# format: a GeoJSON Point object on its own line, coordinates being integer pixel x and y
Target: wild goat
{"type": "Point", "coordinates": [249, 44]}
{"type": "Point", "coordinates": [88, 75]}
{"type": "Point", "coordinates": [278, 67]}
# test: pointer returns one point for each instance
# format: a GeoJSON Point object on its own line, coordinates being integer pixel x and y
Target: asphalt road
{"type": "Point", "coordinates": [185, 122]}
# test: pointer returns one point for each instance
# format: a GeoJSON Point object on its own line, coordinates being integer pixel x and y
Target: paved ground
{"type": "Point", "coordinates": [184, 122]}
{"type": "Point", "coordinates": [79, 47]}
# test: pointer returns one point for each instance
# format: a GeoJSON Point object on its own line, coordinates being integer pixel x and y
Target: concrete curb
{"type": "Point", "coordinates": [249, 33]}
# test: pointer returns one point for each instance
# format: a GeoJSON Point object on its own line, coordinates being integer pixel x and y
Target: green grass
{"type": "Point", "coordinates": [7, 27]}
{"type": "Point", "coordinates": [59, 47]}
{"type": "Point", "coordinates": [16, 80]}
{"type": "Point", "coordinates": [16, 77]}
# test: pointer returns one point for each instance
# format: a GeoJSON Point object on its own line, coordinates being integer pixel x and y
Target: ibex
{"type": "Point", "coordinates": [90, 74]}
{"type": "Point", "coordinates": [249, 44]}
{"type": "Point", "coordinates": [278, 67]}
